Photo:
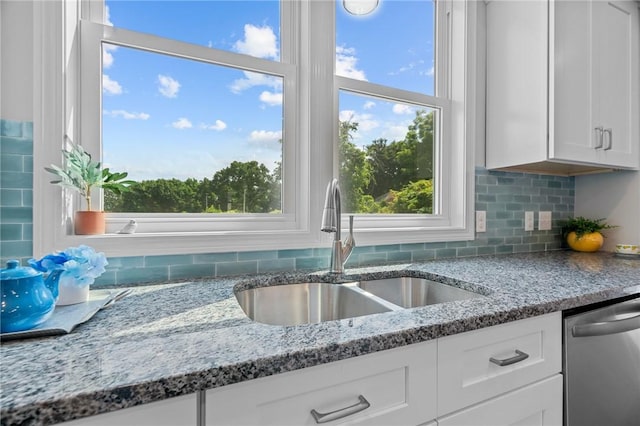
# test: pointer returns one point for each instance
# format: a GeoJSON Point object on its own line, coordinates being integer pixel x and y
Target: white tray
{"type": "Point", "coordinates": [65, 318]}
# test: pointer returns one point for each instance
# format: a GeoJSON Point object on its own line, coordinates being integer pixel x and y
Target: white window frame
{"type": "Point", "coordinates": [57, 105]}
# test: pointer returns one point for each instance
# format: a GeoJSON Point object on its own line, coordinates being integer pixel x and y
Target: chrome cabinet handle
{"type": "Point", "coordinates": [599, 131]}
{"type": "Point", "coordinates": [520, 356]}
{"type": "Point", "coordinates": [340, 413]}
{"type": "Point", "coordinates": [608, 140]}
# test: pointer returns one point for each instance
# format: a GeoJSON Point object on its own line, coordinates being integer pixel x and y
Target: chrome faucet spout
{"type": "Point", "coordinates": [331, 223]}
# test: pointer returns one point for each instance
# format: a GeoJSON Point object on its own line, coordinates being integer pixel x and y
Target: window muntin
{"type": "Point", "coordinates": [210, 23]}
{"type": "Point", "coordinates": [196, 137]}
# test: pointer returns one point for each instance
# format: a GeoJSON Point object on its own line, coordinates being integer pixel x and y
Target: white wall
{"type": "Point", "coordinates": [616, 197]}
{"type": "Point", "coordinates": [16, 59]}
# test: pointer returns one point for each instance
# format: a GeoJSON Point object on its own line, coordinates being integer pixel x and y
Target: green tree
{"type": "Point", "coordinates": [418, 159]}
{"type": "Point", "coordinates": [160, 196]}
{"type": "Point", "coordinates": [355, 171]}
{"type": "Point", "coordinates": [243, 187]}
{"type": "Point", "coordinates": [416, 197]}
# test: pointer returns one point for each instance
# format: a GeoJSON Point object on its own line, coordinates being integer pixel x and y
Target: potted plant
{"type": "Point", "coordinates": [583, 234]}
{"type": "Point", "coordinates": [80, 173]}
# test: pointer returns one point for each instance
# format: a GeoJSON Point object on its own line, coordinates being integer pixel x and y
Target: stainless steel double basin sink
{"type": "Point", "coordinates": [305, 303]}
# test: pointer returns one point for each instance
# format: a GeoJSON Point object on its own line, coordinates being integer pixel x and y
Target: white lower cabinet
{"type": "Point", "coordinates": [392, 387]}
{"type": "Point", "coordinates": [539, 404]}
{"type": "Point", "coordinates": [178, 411]}
{"type": "Point", "coordinates": [478, 365]}
{"type": "Point", "coordinates": [508, 374]}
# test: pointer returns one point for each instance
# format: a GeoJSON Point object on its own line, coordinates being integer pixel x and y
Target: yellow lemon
{"type": "Point", "coordinates": [588, 242]}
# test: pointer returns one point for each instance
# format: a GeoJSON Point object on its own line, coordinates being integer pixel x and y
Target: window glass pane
{"type": "Point", "coordinates": [195, 137]}
{"type": "Point", "coordinates": [393, 46]}
{"type": "Point", "coordinates": [386, 155]}
{"type": "Point", "coordinates": [251, 27]}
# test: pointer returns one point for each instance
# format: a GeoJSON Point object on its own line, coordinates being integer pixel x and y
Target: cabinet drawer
{"type": "Point", "coordinates": [178, 411]}
{"type": "Point", "coordinates": [399, 384]}
{"type": "Point", "coordinates": [536, 404]}
{"type": "Point", "coordinates": [467, 374]}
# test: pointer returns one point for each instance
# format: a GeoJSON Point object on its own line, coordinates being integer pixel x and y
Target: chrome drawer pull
{"type": "Point", "coordinates": [520, 356]}
{"type": "Point", "coordinates": [361, 405]}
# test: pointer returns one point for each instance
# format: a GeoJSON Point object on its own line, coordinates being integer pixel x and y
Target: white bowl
{"type": "Point", "coordinates": [627, 248]}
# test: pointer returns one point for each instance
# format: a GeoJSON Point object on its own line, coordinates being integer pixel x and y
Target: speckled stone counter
{"type": "Point", "coordinates": [174, 339]}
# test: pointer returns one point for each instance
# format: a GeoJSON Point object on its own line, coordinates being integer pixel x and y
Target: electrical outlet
{"type": "Point", "coordinates": [544, 221]}
{"type": "Point", "coordinates": [481, 221]}
{"type": "Point", "coordinates": [528, 221]}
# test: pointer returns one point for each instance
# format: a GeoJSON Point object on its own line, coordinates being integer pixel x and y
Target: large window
{"type": "Point", "coordinates": [232, 116]}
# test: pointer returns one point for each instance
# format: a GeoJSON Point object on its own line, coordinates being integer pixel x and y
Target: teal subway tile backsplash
{"type": "Point", "coordinates": [16, 190]}
{"type": "Point", "coordinates": [505, 196]}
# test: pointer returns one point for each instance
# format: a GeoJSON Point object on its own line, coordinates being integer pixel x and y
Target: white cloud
{"type": "Point", "coordinates": [128, 115]}
{"type": "Point", "coordinates": [395, 132]}
{"type": "Point", "coordinates": [218, 125]}
{"type": "Point", "coordinates": [258, 41]}
{"type": "Point", "coordinates": [365, 122]}
{"type": "Point", "coordinates": [430, 72]}
{"type": "Point", "coordinates": [346, 62]}
{"type": "Point", "coordinates": [271, 98]}
{"type": "Point", "coordinates": [402, 109]}
{"type": "Point", "coordinates": [265, 137]}
{"type": "Point", "coordinates": [107, 16]}
{"type": "Point", "coordinates": [182, 123]}
{"type": "Point", "coordinates": [168, 87]}
{"type": "Point", "coordinates": [255, 79]}
{"type": "Point", "coordinates": [369, 105]}
{"type": "Point", "coordinates": [107, 57]}
{"type": "Point", "coordinates": [110, 87]}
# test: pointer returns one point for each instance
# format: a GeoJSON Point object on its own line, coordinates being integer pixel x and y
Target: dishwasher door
{"type": "Point", "coordinates": [602, 366]}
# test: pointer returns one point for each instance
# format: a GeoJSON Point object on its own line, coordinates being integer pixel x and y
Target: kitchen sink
{"type": "Point", "coordinates": [305, 303]}
{"type": "Point", "coordinates": [411, 292]}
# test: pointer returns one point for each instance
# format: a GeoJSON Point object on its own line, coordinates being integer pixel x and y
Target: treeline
{"type": "Point", "coordinates": [242, 187]}
{"type": "Point", "coordinates": [384, 177]}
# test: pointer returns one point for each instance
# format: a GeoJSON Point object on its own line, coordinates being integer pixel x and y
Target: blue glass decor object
{"type": "Point", "coordinates": [27, 299]}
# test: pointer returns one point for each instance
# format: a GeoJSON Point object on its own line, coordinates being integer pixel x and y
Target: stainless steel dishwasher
{"type": "Point", "coordinates": [602, 366]}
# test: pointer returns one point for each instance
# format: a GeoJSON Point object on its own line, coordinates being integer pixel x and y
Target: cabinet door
{"type": "Point", "coordinates": [179, 411]}
{"type": "Point", "coordinates": [398, 384]}
{"type": "Point", "coordinates": [593, 91]}
{"type": "Point", "coordinates": [539, 404]}
{"type": "Point", "coordinates": [613, 81]}
{"type": "Point", "coordinates": [481, 364]}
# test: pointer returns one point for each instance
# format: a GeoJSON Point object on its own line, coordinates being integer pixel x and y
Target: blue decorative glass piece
{"type": "Point", "coordinates": [27, 299]}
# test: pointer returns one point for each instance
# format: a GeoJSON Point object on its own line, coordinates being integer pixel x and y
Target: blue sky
{"type": "Point", "coordinates": [165, 117]}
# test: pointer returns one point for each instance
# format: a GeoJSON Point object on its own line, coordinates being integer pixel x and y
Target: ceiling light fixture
{"type": "Point", "coordinates": [360, 7]}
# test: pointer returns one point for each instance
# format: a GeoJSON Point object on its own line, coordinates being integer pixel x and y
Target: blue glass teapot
{"type": "Point", "coordinates": [27, 298]}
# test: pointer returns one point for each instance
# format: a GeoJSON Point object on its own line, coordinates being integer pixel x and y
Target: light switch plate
{"type": "Point", "coordinates": [528, 221]}
{"type": "Point", "coordinates": [544, 221]}
{"type": "Point", "coordinates": [481, 221]}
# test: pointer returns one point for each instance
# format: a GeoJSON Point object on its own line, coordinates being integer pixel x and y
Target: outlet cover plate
{"type": "Point", "coordinates": [544, 221]}
{"type": "Point", "coordinates": [528, 221]}
{"type": "Point", "coordinates": [481, 221]}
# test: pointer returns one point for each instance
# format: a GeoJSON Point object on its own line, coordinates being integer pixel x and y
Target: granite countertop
{"type": "Point", "coordinates": [173, 339]}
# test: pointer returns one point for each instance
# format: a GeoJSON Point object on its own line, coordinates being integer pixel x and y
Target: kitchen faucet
{"type": "Point", "coordinates": [331, 223]}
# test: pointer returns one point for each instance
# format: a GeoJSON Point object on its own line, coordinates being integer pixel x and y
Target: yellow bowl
{"type": "Point", "coordinates": [587, 242]}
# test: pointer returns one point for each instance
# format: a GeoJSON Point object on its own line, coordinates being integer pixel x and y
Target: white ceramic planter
{"type": "Point", "coordinates": [69, 293]}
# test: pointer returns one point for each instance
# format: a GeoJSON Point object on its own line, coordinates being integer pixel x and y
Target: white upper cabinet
{"type": "Point", "coordinates": [562, 86]}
